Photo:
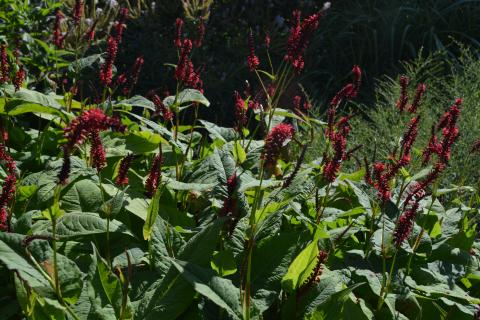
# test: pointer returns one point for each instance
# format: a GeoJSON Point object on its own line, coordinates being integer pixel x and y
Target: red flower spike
{"type": "Point", "coordinates": [185, 72]}
{"type": "Point", "coordinates": [410, 135]}
{"type": "Point", "coordinates": [267, 40]}
{"type": "Point", "coordinates": [368, 175]}
{"type": "Point", "coordinates": [134, 75]}
{"type": "Point", "coordinates": [299, 38]}
{"type": "Point", "coordinates": [252, 59]}
{"type": "Point", "coordinates": [161, 109]}
{"type": "Point", "coordinates": [97, 152]}
{"type": "Point", "coordinates": [19, 78]}
{"type": "Point", "coordinates": [120, 24]}
{"type": "Point", "coordinates": [416, 99]}
{"type": "Point", "coordinates": [200, 34]}
{"type": "Point", "coordinates": [153, 179]}
{"type": "Point", "coordinates": [122, 79]}
{"type": "Point", "coordinates": [4, 66]}
{"type": "Point", "coordinates": [77, 11]}
{"type": "Point", "coordinates": [230, 203]}
{"type": "Point", "coordinates": [106, 72]}
{"type": "Point", "coordinates": [346, 92]}
{"type": "Point", "coordinates": [90, 120]}
{"type": "Point", "coordinates": [8, 188]}
{"type": "Point", "coordinates": [296, 101]}
{"type": "Point", "coordinates": [65, 170]}
{"type": "Point", "coordinates": [357, 80]}
{"type": "Point", "coordinates": [274, 143]}
{"type": "Point", "coordinates": [90, 34]}
{"type": "Point", "coordinates": [383, 189]}
{"type": "Point", "coordinates": [57, 32]}
{"type": "Point", "coordinates": [3, 219]}
{"type": "Point", "coordinates": [122, 176]}
{"type": "Point", "coordinates": [338, 141]}
{"type": "Point", "coordinates": [403, 100]}
{"type": "Point", "coordinates": [240, 111]}
{"type": "Point", "coordinates": [404, 225]}
{"type": "Point", "coordinates": [177, 42]}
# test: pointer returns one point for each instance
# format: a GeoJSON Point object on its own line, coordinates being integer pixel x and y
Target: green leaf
{"type": "Point", "coordinates": [220, 291]}
{"type": "Point", "coordinates": [112, 288]}
{"type": "Point", "coordinates": [82, 63]}
{"type": "Point", "coordinates": [84, 195]}
{"type": "Point", "coordinates": [139, 142]}
{"type": "Point", "coordinates": [15, 262]}
{"type": "Point", "coordinates": [77, 224]}
{"type": "Point", "coordinates": [187, 96]}
{"type": "Point", "coordinates": [223, 263]}
{"type": "Point", "coordinates": [152, 214]}
{"type": "Point", "coordinates": [239, 153]}
{"type": "Point", "coordinates": [219, 133]}
{"type": "Point", "coordinates": [162, 300]}
{"type": "Point", "coordinates": [113, 206]}
{"type": "Point", "coordinates": [137, 101]}
{"type": "Point", "coordinates": [301, 267]}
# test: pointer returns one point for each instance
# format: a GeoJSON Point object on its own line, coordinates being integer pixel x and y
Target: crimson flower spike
{"type": "Point", "coordinates": [134, 75]}
{"type": "Point", "coordinates": [153, 179]}
{"type": "Point", "coordinates": [274, 143]}
{"type": "Point", "coordinates": [338, 140]}
{"type": "Point", "coordinates": [252, 59]}
{"type": "Point", "coordinates": [267, 40]}
{"type": "Point", "coordinates": [19, 78]}
{"type": "Point", "coordinates": [4, 66]}
{"type": "Point", "coordinates": [122, 176]}
{"type": "Point", "coordinates": [416, 99]}
{"type": "Point", "coordinates": [349, 91]}
{"type": "Point", "coordinates": [77, 11]}
{"type": "Point", "coordinates": [57, 32]}
{"type": "Point", "coordinates": [240, 111]}
{"type": "Point", "coordinates": [403, 100]}
{"type": "Point", "coordinates": [177, 42]}
{"type": "Point", "coordinates": [200, 34]}
{"type": "Point", "coordinates": [106, 69]}
{"type": "Point", "coordinates": [8, 188]}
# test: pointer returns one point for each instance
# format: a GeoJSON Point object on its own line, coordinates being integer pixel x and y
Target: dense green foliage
{"type": "Point", "coordinates": [120, 203]}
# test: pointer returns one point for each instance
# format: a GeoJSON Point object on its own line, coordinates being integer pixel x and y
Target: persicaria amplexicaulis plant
{"type": "Point", "coordinates": [122, 176]}
{"type": "Point", "coordinates": [58, 36]}
{"type": "Point", "coordinates": [106, 69]}
{"type": "Point", "coordinates": [153, 179]}
{"type": "Point", "coordinates": [8, 188]}
{"type": "Point", "coordinates": [160, 108]}
{"type": "Point", "coordinates": [19, 78]}
{"type": "Point", "coordinates": [442, 149]}
{"type": "Point", "coordinates": [88, 125]}
{"type": "Point", "coordinates": [131, 82]}
{"type": "Point", "coordinates": [77, 11]}
{"type": "Point", "coordinates": [4, 65]}
{"type": "Point", "coordinates": [275, 141]}
{"type": "Point", "coordinates": [252, 60]}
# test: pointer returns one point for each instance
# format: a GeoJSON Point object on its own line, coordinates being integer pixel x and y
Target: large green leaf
{"type": "Point", "coordinates": [78, 224]}
{"type": "Point", "coordinates": [152, 214]}
{"type": "Point", "coordinates": [162, 301]}
{"type": "Point", "coordinates": [219, 290]}
{"type": "Point", "coordinates": [84, 195]}
{"type": "Point", "coordinates": [301, 267]}
{"type": "Point", "coordinates": [186, 96]}
{"type": "Point", "coordinates": [138, 101]}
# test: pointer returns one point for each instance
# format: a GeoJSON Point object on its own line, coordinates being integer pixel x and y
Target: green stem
{"type": "Point", "coordinates": [108, 243]}
{"type": "Point", "coordinates": [55, 262]}
{"type": "Point", "coordinates": [386, 289]}
{"type": "Point", "coordinates": [324, 203]}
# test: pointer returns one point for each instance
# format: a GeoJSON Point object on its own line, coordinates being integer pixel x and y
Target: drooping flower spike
{"type": "Point", "coordinates": [252, 60]}
{"type": "Point", "coordinates": [274, 143]}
